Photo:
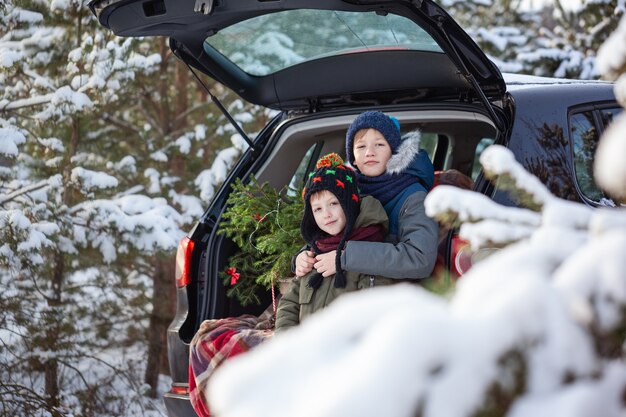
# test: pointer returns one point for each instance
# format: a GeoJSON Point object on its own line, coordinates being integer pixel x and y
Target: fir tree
{"type": "Point", "coordinates": [556, 41]}
{"type": "Point", "coordinates": [89, 222]}
{"type": "Point", "coordinates": [265, 224]}
{"type": "Point", "coordinates": [59, 228]}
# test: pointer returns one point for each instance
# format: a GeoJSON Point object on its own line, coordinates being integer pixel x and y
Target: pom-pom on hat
{"type": "Point", "coordinates": [388, 126]}
{"type": "Point", "coordinates": [333, 176]}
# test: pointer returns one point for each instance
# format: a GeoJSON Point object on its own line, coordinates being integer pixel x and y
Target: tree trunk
{"type": "Point", "coordinates": [54, 321]}
{"type": "Point", "coordinates": [160, 318]}
{"type": "Point", "coordinates": [53, 325]}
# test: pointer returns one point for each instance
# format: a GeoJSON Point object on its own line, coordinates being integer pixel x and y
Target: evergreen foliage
{"type": "Point", "coordinates": [63, 222]}
{"type": "Point", "coordinates": [265, 224]}
{"type": "Point", "coordinates": [559, 40]}
{"type": "Point", "coordinates": [102, 141]}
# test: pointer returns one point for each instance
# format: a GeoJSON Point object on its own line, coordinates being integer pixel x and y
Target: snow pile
{"type": "Point", "coordinates": [10, 138]}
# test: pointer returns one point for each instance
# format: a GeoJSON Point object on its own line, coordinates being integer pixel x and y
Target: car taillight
{"type": "Point", "coordinates": [461, 256]}
{"type": "Point", "coordinates": [180, 389]}
{"type": "Point", "coordinates": [183, 262]}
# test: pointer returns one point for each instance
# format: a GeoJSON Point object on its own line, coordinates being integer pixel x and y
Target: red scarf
{"type": "Point", "coordinates": [372, 233]}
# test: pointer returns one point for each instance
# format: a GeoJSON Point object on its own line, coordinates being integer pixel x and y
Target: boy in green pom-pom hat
{"type": "Point", "coordinates": [334, 213]}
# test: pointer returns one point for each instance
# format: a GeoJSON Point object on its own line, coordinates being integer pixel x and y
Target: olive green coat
{"type": "Point", "coordinates": [301, 301]}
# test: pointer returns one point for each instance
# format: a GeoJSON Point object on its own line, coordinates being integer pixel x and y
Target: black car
{"type": "Point", "coordinates": [322, 62]}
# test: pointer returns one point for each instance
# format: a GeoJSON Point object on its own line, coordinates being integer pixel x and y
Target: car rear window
{"type": "Point", "coordinates": [265, 44]}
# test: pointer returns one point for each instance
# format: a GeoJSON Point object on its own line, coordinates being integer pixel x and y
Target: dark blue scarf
{"type": "Point", "coordinates": [385, 186]}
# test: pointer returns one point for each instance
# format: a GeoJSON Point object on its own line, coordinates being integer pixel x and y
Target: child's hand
{"type": "Point", "coordinates": [325, 264]}
{"type": "Point", "coordinates": [304, 263]}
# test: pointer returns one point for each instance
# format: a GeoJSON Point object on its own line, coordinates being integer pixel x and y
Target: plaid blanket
{"type": "Point", "coordinates": [218, 340]}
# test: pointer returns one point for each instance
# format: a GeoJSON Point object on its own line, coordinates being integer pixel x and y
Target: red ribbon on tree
{"type": "Point", "coordinates": [234, 275]}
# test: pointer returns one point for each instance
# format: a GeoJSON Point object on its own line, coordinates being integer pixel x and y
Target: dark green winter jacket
{"type": "Point", "coordinates": [301, 301]}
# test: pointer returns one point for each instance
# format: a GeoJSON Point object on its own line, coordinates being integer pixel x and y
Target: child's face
{"type": "Point", "coordinates": [327, 211]}
{"type": "Point", "coordinates": [371, 152]}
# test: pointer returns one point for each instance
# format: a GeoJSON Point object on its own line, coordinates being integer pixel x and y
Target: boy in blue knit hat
{"type": "Point", "coordinates": [393, 169]}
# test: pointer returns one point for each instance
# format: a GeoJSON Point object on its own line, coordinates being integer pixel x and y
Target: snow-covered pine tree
{"type": "Point", "coordinates": [64, 218]}
{"type": "Point", "coordinates": [552, 39]}
{"type": "Point", "coordinates": [105, 144]}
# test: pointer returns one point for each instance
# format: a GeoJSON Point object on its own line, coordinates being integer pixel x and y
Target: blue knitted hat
{"type": "Point", "coordinates": [388, 126]}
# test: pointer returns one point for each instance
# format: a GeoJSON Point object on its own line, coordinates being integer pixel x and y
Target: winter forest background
{"type": "Point", "coordinates": [109, 150]}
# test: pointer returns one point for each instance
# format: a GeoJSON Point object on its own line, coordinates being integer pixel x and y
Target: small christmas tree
{"type": "Point", "coordinates": [265, 224]}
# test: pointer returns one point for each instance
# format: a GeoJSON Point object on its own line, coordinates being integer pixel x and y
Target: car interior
{"type": "Point", "coordinates": [453, 139]}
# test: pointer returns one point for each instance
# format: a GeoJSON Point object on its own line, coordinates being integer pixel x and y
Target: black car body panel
{"type": "Point", "coordinates": [178, 405]}
{"type": "Point", "coordinates": [540, 134]}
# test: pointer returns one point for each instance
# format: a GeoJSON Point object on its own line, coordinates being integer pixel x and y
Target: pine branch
{"type": "Point", "coordinates": [452, 206]}
{"type": "Point", "coordinates": [501, 167]}
{"type": "Point", "coordinates": [25, 190]}
{"type": "Point", "coordinates": [265, 225]}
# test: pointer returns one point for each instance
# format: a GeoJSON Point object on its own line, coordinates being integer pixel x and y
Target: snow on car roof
{"type": "Point", "coordinates": [513, 80]}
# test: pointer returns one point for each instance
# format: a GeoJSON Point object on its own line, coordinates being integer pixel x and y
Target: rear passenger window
{"type": "Point", "coordinates": [608, 115]}
{"type": "Point", "coordinates": [482, 145]}
{"type": "Point", "coordinates": [585, 138]}
{"type": "Point", "coordinates": [585, 131]}
{"type": "Point", "coordinates": [428, 141]}
{"type": "Point", "coordinates": [297, 181]}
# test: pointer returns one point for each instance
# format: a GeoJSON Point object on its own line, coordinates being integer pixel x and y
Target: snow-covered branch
{"type": "Point", "coordinates": [453, 206]}
{"type": "Point", "coordinates": [5, 198]}
{"type": "Point", "coordinates": [26, 102]}
{"type": "Point", "coordinates": [501, 168]}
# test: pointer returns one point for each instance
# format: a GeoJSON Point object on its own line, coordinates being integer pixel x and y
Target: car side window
{"type": "Point", "coordinates": [585, 140]}
{"type": "Point", "coordinates": [482, 145]}
{"type": "Point", "coordinates": [428, 142]}
{"type": "Point", "coordinates": [585, 130]}
{"type": "Point", "coordinates": [608, 115]}
{"type": "Point", "coordinates": [437, 145]}
{"type": "Point", "coordinates": [297, 181]}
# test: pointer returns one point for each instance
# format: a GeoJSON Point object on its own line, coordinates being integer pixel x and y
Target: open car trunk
{"type": "Point", "coordinates": [454, 136]}
{"type": "Point", "coordinates": [304, 55]}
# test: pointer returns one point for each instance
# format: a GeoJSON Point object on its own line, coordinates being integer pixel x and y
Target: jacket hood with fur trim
{"type": "Point", "coordinates": [409, 159]}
